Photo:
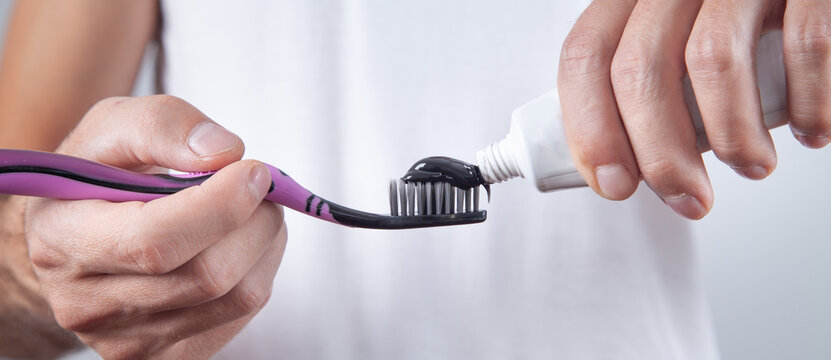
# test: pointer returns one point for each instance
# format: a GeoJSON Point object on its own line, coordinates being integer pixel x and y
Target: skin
{"type": "Point", "coordinates": [61, 58]}
{"type": "Point", "coordinates": [621, 92]}
{"type": "Point", "coordinates": [180, 276]}
{"type": "Point", "coordinates": [44, 92]}
{"type": "Point", "coordinates": [173, 278]}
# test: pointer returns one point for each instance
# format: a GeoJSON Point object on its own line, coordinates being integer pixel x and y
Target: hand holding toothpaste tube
{"type": "Point", "coordinates": [625, 116]}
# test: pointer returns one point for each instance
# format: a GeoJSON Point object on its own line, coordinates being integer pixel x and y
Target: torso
{"type": "Point", "coordinates": [338, 92]}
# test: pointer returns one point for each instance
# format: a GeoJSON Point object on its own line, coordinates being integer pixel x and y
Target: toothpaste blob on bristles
{"type": "Point", "coordinates": [444, 169]}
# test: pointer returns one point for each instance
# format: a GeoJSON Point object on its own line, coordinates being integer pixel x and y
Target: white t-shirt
{"type": "Point", "coordinates": [344, 94]}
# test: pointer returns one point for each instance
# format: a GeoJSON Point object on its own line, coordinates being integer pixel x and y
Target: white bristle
{"type": "Point", "coordinates": [393, 197]}
{"type": "Point", "coordinates": [451, 202]}
{"type": "Point", "coordinates": [439, 193]}
{"type": "Point", "coordinates": [402, 194]}
{"type": "Point", "coordinates": [460, 200]}
{"type": "Point", "coordinates": [430, 198]}
{"type": "Point", "coordinates": [476, 199]}
{"type": "Point", "coordinates": [468, 200]}
{"type": "Point", "coordinates": [429, 193]}
{"type": "Point", "coordinates": [410, 199]}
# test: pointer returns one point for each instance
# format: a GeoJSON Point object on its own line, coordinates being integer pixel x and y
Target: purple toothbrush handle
{"type": "Point", "coordinates": [289, 193]}
{"type": "Point", "coordinates": [41, 174]}
{"type": "Point", "coordinates": [49, 186]}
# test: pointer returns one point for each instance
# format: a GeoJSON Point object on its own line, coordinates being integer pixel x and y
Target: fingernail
{"type": "Point", "coordinates": [814, 142]}
{"type": "Point", "coordinates": [614, 180]}
{"type": "Point", "coordinates": [754, 173]}
{"type": "Point", "coordinates": [259, 180]}
{"type": "Point", "coordinates": [687, 206]}
{"type": "Point", "coordinates": [208, 139]}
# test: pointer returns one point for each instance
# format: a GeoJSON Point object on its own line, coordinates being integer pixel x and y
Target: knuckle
{"type": "Point", "coordinates": [76, 318]}
{"type": "Point", "coordinates": [70, 321]}
{"type": "Point", "coordinates": [812, 140]}
{"type": "Point", "coordinates": [657, 169]}
{"type": "Point", "coordinates": [44, 257]}
{"type": "Point", "coordinates": [251, 299]}
{"type": "Point", "coordinates": [66, 318]}
{"type": "Point", "coordinates": [224, 218]}
{"type": "Point", "coordinates": [585, 50]}
{"type": "Point", "coordinates": [739, 153]}
{"type": "Point", "coordinates": [99, 113]}
{"type": "Point", "coordinates": [210, 281]}
{"type": "Point", "coordinates": [124, 348]}
{"type": "Point", "coordinates": [631, 67]}
{"type": "Point", "coordinates": [808, 40]}
{"type": "Point", "coordinates": [671, 177]}
{"type": "Point", "coordinates": [152, 257]}
{"type": "Point", "coordinates": [810, 112]}
{"type": "Point", "coordinates": [270, 215]}
{"type": "Point", "coordinates": [156, 108]}
{"type": "Point", "coordinates": [107, 104]}
{"type": "Point", "coordinates": [708, 53]}
{"type": "Point", "coordinates": [158, 104]}
{"type": "Point", "coordinates": [231, 220]}
{"type": "Point", "coordinates": [812, 125]}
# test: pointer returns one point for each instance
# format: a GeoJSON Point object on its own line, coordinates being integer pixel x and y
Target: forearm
{"type": "Point", "coordinates": [58, 60]}
{"type": "Point", "coordinates": [27, 327]}
{"type": "Point", "coordinates": [62, 57]}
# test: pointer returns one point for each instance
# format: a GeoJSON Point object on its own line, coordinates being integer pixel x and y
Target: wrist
{"type": "Point", "coordinates": [14, 258]}
{"type": "Point", "coordinates": [27, 325]}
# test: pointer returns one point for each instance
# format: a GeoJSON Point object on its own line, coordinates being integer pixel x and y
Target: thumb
{"type": "Point", "coordinates": [159, 130]}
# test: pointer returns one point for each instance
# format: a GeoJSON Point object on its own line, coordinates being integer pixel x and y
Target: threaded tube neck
{"type": "Point", "coordinates": [497, 162]}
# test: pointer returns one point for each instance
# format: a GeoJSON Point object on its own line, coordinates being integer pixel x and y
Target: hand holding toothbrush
{"type": "Point", "coordinates": [179, 275]}
{"type": "Point", "coordinates": [623, 106]}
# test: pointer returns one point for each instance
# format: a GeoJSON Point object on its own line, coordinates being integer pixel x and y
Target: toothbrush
{"type": "Point", "coordinates": [49, 175]}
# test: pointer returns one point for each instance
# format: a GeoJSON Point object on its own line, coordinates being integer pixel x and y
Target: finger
{"type": "Point", "coordinates": [598, 141]}
{"type": "Point", "coordinates": [807, 52]}
{"type": "Point", "coordinates": [157, 333]}
{"type": "Point", "coordinates": [214, 338]}
{"type": "Point", "coordinates": [646, 77]}
{"type": "Point", "coordinates": [145, 132]}
{"type": "Point", "coordinates": [215, 271]}
{"type": "Point", "coordinates": [209, 275]}
{"type": "Point", "coordinates": [208, 343]}
{"type": "Point", "coordinates": [169, 231]}
{"type": "Point", "coordinates": [244, 300]}
{"type": "Point", "coordinates": [720, 61]}
{"type": "Point", "coordinates": [163, 130]}
{"type": "Point", "coordinates": [148, 238]}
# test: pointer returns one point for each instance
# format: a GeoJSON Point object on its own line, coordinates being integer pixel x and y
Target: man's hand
{"type": "Point", "coordinates": [178, 276]}
{"type": "Point", "coordinates": [27, 325]}
{"type": "Point", "coordinates": [623, 104]}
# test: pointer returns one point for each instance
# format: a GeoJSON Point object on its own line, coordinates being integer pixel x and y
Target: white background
{"type": "Point", "coordinates": [765, 252]}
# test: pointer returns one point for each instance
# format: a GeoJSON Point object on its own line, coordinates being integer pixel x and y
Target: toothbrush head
{"type": "Point", "coordinates": [428, 204]}
{"type": "Point", "coordinates": [438, 191]}
{"type": "Point", "coordinates": [355, 218]}
{"type": "Point", "coordinates": [431, 198]}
